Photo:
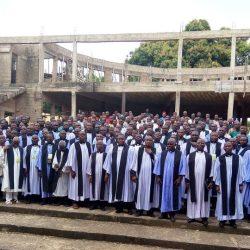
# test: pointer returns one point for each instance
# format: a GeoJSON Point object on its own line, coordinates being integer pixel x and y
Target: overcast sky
{"type": "Point", "coordinates": [31, 17]}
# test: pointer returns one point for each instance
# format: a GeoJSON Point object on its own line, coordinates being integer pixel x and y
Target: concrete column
{"type": "Point", "coordinates": [90, 75]}
{"type": "Point", "coordinates": [230, 108]}
{"type": "Point", "coordinates": [233, 52]}
{"type": "Point", "coordinates": [123, 110]}
{"type": "Point", "coordinates": [108, 75]}
{"type": "Point", "coordinates": [120, 77]}
{"type": "Point", "coordinates": [54, 70]}
{"type": "Point", "coordinates": [177, 102]}
{"type": "Point", "coordinates": [73, 104]}
{"type": "Point", "coordinates": [74, 62]}
{"type": "Point", "coordinates": [41, 63]}
{"type": "Point", "coordinates": [179, 62]}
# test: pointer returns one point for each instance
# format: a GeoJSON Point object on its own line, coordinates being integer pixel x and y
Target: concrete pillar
{"type": "Point", "coordinates": [123, 109]}
{"type": "Point", "coordinates": [177, 102]}
{"type": "Point", "coordinates": [108, 75]}
{"type": "Point", "coordinates": [74, 62]}
{"type": "Point", "coordinates": [41, 63]}
{"type": "Point", "coordinates": [179, 62]}
{"type": "Point", "coordinates": [73, 104]}
{"type": "Point", "coordinates": [230, 108]}
{"type": "Point", "coordinates": [91, 73]}
{"type": "Point", "coordinates": [120, 78]}
{"type": "Point", "coordinates": [233, 53]}
{"type": "Point", "coordinates": [54, 70]}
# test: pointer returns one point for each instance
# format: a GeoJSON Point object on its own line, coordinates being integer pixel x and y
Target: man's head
{"type": "Point", "coordinates": [15, 142]}
{"type": "Point", "coordinates": [200, 145]}
{"type": "Point", "coordinates": [228, 147]}
{"type": "Point", "coordinates": [121, 140]}
{"type": "Point", "coordinates": [99, 146]}
{"type": "Point", "coordinates": [62, 145]}
{"type": "Point", "coordinates": [148, 141]}
{"type": "Point", "coordinates": [214, 137]}
{"type": "Point", "coordinates": [82, 136]}
{"type": "Point", "coordinates": [34, 139]}
{"type": "Point", "coordinates": [194, 136]}
{"type": "Point", "coordinates": [243, 140]}
{"type": "Point", "coordinates": [171, 144]}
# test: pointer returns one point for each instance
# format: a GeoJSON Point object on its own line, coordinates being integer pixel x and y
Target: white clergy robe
{"type": "Point", "coordinates": [62, 182]}
{"type": "Point", "coordinates": [73, 191]}
{"type": "Point", "coordinates": [97, 177]}
{"type": "Point", "coordinates": [127, 194]}
{"type": "Point", "coordinates": [167, 200]}
{"type": "Point", "coordinates": [17, 165]}
{"type": "Point", "coordinates": [200, 208]}
{"type": "Point", "coordinates": [32, 181]}
{"type": "Point", "coordinates": [238, 196]}
{"type": "Point", "coordinates": [144, 181]}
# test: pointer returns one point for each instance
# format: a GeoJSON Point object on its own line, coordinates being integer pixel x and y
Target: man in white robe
{"type": "Point", "coordinates": [13, 172]}
{"type": "Point", "coordinates": [117, 167]}
{"type": "Point", "coordinates": [199, 182]}
{"type": "Point", "coordinates": [147, 190]}
{"type": "Point", "coordinates": [96, 174]}
{"type": "Point", "coordinates": [159, 147]}
{"type": "Point", "coordinates": [78, 161]}
{"type": "Point", "coordinates": [2, 158]}
{"type": "Point", "coordinates": [32, 180]}
{"type": "Point", "coordinates": [61, 177]}
{"type": "Point", "coordinates": [228, 178]}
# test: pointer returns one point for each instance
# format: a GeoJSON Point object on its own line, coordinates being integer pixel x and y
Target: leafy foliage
{"type": "Point", "coordinates": [203, 53]}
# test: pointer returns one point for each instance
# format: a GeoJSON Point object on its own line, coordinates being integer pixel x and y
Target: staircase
{"type": "Point", "coordinates": [125, 230]}
{"type": "Point", "coordinates": [7, 93]}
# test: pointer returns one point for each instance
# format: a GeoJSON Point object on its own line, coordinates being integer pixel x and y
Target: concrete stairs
{"type": "Point", "coordinates": [109, 227]}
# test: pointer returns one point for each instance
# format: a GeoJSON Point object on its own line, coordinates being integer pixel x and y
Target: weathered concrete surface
{"type": "Point", "coordinates": [17, 241]}
{"type": "Point", "coordinates": [110, 216]}
{"type": "Point", "coordinates": [103, 226]}
{"type": "Point", "coordinates": [122, 233]}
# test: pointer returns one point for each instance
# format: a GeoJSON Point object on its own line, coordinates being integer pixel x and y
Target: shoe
{"type": "Point", "coordinates": [163, 216]}
{"type": "Point", "coordinates": [221, 224]}
{"type": "Point", "coordinates": [92, 207]}
{"type": "Point", "coordinates": [15, 201]}
{"type": "Point", "coordinates": [172, 218]}
{"type": "Point", "coordinates": [138, 213]}
{"type": "Point", "coordinates": [8, 202]}
{"type": "Point", "coordinates": [205, 223]}
{"type": "Point", "coordinates": [43, 203]}
{"type": "Point", "coordinates": [233, 225]}
{"type": "Point", "coordinates": [190, 221]}
{"type": "Point", "coordinates": [130, 211]}
{"type": "Point", "coordinates": [75, 206]}
{"type": "Point", "coordinates": [119, 211]}
{"type": "Point", "coordinates": [103, 208]}
{"type": "Point", "coordinates": [150, 213]}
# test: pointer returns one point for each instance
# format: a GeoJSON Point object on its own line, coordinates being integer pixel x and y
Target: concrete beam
{"type": "Point", "coordinates": [126, 37]}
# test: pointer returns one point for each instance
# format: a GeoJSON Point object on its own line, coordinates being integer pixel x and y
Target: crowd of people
{"type": "Point", "coordinates": [138, 164]}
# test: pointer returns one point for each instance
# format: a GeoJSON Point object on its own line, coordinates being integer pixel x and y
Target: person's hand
{"type": "Point", "coordinates": [90, 179]}
{"type": "Point", "coordinates": [40, 173]}
{"type": "Point", "coordinates": [56, 167]}
{"type": "Point", "coordinates": [158, 179]}
{"type": "Point", "coordinates": [187, 187]}
{"type": "Point", "coordinates": [73, 174]}
{"type": "Point", "coordinates": [25, 172]}
{"type": "Point", "coordinates": [217, 188]}
{"type": "Point", "coordinates": [241, 188]}
{"type": "Point", "coordinates": [6, 148]}
{"type": "Point", "coordinates": [106, 178]}
{"type": "Point", "coordinates": [178, 181]}
{"type": "Point", "coordinates": [210, 186]}
{"type": "Point", "coordinates": [134, 178]}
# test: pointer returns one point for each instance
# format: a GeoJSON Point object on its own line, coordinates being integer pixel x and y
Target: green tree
{"type": "Point", "coordinates": [196, 53]}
